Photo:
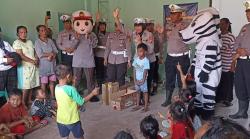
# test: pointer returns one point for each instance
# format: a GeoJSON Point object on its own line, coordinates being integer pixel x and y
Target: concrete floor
{"type": "Point", "coordinates": [101, 122]}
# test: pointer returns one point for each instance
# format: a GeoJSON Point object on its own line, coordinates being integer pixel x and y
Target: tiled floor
{"type": "Point", "coordinates": [101, 122]}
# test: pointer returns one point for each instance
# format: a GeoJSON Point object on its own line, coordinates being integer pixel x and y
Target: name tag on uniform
{"type": "Point", "coordinates": [125, 53]}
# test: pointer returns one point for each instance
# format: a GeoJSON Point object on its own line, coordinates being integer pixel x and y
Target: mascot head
{"type": "Point", "coordinates": [82, 22]}
{"type": "Point", "coordinates": [204, 25]}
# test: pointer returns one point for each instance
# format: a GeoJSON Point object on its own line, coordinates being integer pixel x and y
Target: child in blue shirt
{"type": "Point", "coordinates": [141, 67]}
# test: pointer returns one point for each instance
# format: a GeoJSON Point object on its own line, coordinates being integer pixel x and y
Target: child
{"type": "Point", "coordinates": [141, 67]}
{"type": "Point", "coordinates": [42, 107]}
{"type": "Point", "coordinates": [15, 116]}
{"type": "Point", "coordinates": [186, 95]}
{"type": "Point", "coordinates": [180, 126]}
{"type": "Point", "coordinates": [123, 135]}
{"type": "Point", "coordinates": [68, 100]}
{"type": "Point", "coordinates": [149, 127]}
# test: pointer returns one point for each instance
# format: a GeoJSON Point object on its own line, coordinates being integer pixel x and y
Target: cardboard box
{"type": "Point", "coordinates": [109, 91]}
{"type": "Point", "coordinates": [125, 101]}
{"type": "Point", "coordinates": [105, 96]}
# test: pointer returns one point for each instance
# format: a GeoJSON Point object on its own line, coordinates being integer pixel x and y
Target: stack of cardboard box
{"type": "Point", "coordinates": [118, 98]}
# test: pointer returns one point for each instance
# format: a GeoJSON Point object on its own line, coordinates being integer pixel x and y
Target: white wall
{"type": "Point", "coordinates": [234, 10]}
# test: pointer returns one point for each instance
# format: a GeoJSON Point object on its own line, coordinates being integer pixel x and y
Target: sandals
{"type": "Point", "coordinates": [136, 108]}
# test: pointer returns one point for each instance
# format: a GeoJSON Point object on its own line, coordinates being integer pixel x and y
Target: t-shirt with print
{"type": "Point", "coordinates": [67, 99]}
{"type": "Point", "coordinates": [139, 66]}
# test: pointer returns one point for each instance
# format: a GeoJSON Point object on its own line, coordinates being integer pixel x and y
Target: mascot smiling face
{"type": "Point", "coordinates": [204, 25]}
{"type": "Point", "coordinates": [82, 22]}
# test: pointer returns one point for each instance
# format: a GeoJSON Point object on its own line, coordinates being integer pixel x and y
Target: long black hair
{"type": "Point", "coordinates": [229, 24]}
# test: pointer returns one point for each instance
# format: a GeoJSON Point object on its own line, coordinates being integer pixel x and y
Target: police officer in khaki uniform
{"type": "Point", "coordinates": [117, 55]}
{"type": "Point", "coordinates": [242, 76]}
{"type": "Point", "coordinates": [66, 41]}
{"type": "Point", "coordinates": [102, 35]}
{"type": "Point", "coordinates": [177, 51]}
{"type": "Point", "coordinates": [141, 35]}
{"type": "Point", "coordinates": [158, 49]}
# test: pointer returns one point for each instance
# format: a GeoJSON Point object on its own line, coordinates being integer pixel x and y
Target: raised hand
{"type": "Point", "coordinates": [116, 13]}
{"type": "Point", "coordinates": [97, 16]}
{"type": "Point", "coordinates": [159, 28]}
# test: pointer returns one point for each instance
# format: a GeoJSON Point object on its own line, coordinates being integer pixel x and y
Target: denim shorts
{"type": "Point", "coordinates": [142, 88]}
{"type": "Point", "coordinates": [76, 129]}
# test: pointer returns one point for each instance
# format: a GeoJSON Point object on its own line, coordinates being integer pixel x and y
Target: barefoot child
{"type": "Point", "coordinates": [141, 67]}
{"type": "Point", "coordinates": [41, 106]}
{"type": "Point", "coordinates": [68, 100]}
{"type": "Point", "coordinates": [15, 116]}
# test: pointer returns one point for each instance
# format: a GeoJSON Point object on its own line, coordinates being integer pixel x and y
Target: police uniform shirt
{"type": "Point", "coordinates": [102, 40]}
{"type": "Point", "coordinates": [242, 40]}
{"type": "Point", "coordinates": [175, 45]}
{"type": "Point", "coordinates": [84, 55]}
{"type": "Point", "coordinates": [158, 43]}
{"type": "Point", "coordinates": [66, 39]}
{"type": "Point", "coordinates": [117, 42]}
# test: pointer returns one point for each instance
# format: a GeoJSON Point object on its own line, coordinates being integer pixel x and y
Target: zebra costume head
{"type": "Point", "coordinates": [204, 25]}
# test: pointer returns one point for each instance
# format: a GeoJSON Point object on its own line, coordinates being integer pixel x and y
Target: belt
{"type": "Point", "coordinates": [179, 54]}
{"type": "Point", "coordinates": [70, 54]}
{"type": "Point", "coordinates": [157, 54]}
{"type": "Point", "coordinates": [101, 47]}
{"type": "Point", "coordinates": [244, 57]}
{"type": "Point", "coordinates": [118, 52]}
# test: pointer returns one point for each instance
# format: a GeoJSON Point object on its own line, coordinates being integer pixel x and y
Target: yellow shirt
{"type": "Point", "coordinates": [67, 99]}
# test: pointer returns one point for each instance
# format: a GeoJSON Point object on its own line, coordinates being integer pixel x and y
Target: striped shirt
{"type": "Point", "coordinates": [227, 51]}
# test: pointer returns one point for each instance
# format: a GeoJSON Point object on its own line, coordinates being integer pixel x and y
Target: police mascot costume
{"type": "Point", "coordinates": [83, 59]}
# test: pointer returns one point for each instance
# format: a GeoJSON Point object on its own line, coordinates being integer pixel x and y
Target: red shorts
{"type": "Point", "coordinates": [20, 129]}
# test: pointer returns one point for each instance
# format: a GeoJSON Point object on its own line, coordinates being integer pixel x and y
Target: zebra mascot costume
{"type": "Point", "coordinates": [206, 65]}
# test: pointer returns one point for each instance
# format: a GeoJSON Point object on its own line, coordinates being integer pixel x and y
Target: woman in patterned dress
{"type": "Point", "coordinates": [27, 72]}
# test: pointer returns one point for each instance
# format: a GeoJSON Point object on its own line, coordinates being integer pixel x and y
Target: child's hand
{"type": "Point", "coordinates": [95, 92]}
{"type": "Point", "coordinates": [53, 112]}
{"type": "Point", "coordinates": [178, 66]}
{"type": "Point", "coordinates": [161, 116]}
{"type": "Point", "coordinates": [4, 128]}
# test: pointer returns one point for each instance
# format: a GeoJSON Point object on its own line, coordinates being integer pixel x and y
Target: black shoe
{"type": "Point", "coordinates": [152, 94]}
{"type": "Point", "coordinates": [94, 99]}
{"type": "Point", "coordinates": [227, 103]}
{"type": "Point", "coordinates": [165, 104]}
{"type": "Point", "coordinates": [238, 116]}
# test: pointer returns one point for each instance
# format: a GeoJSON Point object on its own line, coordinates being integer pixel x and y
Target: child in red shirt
{"type": "Point", "coordinates": [15, 116]}
{"type": "Point", "coordinates": [180, 126]}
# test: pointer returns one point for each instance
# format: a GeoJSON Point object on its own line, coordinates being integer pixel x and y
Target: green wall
{"type": "Point", "coordinates": [138, 8]}
{"type": "Point", "coordinates": [31, 13]}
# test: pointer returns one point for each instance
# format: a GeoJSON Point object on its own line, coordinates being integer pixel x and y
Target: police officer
{"type": "Point", "coordinates": [65, 41]}
{"type": "Point", "coordinates": [102, 35]}
{"type": "Point", "coordinates": [242, 76]}
{"type": "Point", "coordinates": [177, 51]}
{"type": "Point", "coordinates": [141, 35]}
{"type": "Point", "coordinates": [117, 55]}
{"type": "Point", "coordinates": [158, 49]}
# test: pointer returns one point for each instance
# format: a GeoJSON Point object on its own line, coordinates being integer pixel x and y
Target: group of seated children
{"type": "Point", "coordinates": [16, 121]}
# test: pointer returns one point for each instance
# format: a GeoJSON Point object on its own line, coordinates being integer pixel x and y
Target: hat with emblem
{"type": "Point", "coordinates": [103, 21]}
{"type": "Point", "coordinates": [65, 18]}
{"type": "Point", "coordinates": [175, 8]}
{"type": "Point", "coordinates": [149, 21]}
{"type": "Point", "coordinates": [247, 5]}
{"type": "Point", "coordinates": [139, 20]}
{"type": "Point", "coordinates": [81, 15]}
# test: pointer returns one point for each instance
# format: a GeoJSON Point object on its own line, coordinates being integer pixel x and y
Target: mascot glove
{"type": "Point", "coordinates": [203, 77]}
